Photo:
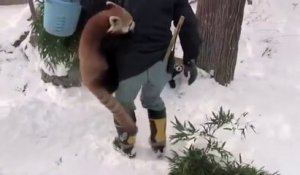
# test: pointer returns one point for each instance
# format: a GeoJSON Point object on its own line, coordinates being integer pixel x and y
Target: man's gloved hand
{"type": "Point", "coordinates": [190, 70]}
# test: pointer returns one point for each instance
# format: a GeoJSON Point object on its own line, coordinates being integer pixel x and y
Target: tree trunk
{"type": "Point", "coordinates": [220, 24]}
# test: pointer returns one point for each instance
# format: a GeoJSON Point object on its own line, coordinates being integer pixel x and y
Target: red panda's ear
{"type": "Point", "coordinates": [110, 4]}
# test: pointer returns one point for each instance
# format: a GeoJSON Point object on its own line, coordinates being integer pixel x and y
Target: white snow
{"type": "Point", "coordinates": [48, 130]}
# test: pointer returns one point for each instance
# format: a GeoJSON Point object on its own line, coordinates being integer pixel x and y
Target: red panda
{"type": "Point", "coordinates": [113, 20]}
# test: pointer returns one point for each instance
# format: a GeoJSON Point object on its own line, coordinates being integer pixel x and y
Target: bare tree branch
{"type": "Point", "coordinates": [32, 10]}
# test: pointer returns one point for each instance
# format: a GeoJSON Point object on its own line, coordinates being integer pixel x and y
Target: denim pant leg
{"type": "Point", "coordinates": [128, 90]}
{"type": "Point", "coordinates": [157, 78]}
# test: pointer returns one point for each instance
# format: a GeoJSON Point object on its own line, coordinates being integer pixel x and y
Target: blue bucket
{"type": "Point", "coordinates": [61, 16]}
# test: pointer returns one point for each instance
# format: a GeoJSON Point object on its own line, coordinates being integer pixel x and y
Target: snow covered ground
{"type": "Point", "coordinates": [47, 130]}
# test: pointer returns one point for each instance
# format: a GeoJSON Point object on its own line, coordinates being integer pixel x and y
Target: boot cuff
{"type": "Point", "coordinates": [157, 114]}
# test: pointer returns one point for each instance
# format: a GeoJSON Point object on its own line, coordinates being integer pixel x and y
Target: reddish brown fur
{"type": "Point", "coordinates": [93, 63]}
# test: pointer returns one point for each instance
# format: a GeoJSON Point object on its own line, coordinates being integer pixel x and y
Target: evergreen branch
{"type": "Point", "coordinates": [55, 50]}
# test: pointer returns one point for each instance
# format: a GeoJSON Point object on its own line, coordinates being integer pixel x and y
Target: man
{"type": "Point", "coordinates": [140, 63]}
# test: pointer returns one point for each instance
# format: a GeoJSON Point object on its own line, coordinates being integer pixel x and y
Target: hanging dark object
{"type": "Point", "coordinates": [174, 66]}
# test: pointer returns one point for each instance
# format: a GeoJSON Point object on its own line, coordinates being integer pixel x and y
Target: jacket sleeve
{"type": "Point", "coordinates": [189, 36]}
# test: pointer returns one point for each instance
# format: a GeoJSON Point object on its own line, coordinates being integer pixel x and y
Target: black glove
{"type": "Point", "coordinates": [190, 69]}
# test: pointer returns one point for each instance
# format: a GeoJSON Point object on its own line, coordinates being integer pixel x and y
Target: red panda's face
{"type": "Point", "coordinates": [121, 21]}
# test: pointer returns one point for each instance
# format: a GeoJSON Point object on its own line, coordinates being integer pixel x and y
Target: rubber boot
{"type": "Point", "coordinates": [157, 120]}
{"type": "Point", "coordinates": [124, 143]}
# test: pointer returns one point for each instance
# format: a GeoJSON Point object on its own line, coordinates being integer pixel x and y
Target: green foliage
{"type": "Point", "coordinates": [193, 161]}
{"type": "Point", "coordinates": [55, 50]}
{"type": "Point", "coordinates": [213, 158]}
{"type": "Point", "coordinates": [222, 120]}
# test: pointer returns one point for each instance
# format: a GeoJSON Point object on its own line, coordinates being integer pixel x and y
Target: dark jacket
{"type": "Point", "coordinates": [152, 34]}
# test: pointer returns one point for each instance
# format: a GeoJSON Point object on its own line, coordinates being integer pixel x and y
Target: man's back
{"type": "Point", "coordinates": [150, 39]}
{"type": "Point", "coordinates": [153, 21]}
